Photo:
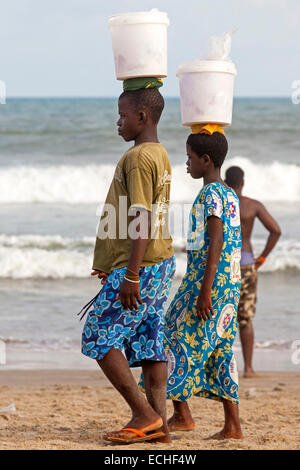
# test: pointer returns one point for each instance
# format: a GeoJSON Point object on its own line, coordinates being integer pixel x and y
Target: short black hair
{"type": "Point", "coordinates": [147, 98]}
{"type": "Point", "coordinates": [234, 176]}
{"type": "Point", "coordinates": [215, 145]}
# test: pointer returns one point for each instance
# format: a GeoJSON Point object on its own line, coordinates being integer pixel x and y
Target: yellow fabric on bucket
{"type": "Point", "coordinates": [206, 129]}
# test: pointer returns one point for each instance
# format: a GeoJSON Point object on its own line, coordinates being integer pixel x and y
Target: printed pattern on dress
{"type": "Point", "coordinates": [199, 353]}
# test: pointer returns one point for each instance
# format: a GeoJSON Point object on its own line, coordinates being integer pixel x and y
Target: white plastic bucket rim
{"type": "Point", "coordinates": [197, 66]}
{"type": "Point", "coordinates": [153, 16]}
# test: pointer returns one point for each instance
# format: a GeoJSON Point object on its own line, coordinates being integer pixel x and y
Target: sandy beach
{"type": "Point", "coordinates": [67, 409]}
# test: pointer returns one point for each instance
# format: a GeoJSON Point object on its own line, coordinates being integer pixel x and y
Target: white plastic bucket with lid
{"type": "Point", "coordinates": [206, 91]}
{"type": "Point", "coordinates": [139, 44]}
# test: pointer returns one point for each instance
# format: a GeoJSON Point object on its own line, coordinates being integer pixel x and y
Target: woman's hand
{"type": "Point", "coordinates": [204, 306]}
{"type": "Point", "coordinates": [101, 274]}
{"type": "Point", "coordinates": [129, 294]}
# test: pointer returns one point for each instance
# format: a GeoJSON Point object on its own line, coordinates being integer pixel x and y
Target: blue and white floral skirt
{"type": "Point", "coordinates": [140, 333]}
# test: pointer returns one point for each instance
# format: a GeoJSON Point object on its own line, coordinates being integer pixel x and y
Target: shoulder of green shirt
{"type": "Point", "coordinates": [142, 157]}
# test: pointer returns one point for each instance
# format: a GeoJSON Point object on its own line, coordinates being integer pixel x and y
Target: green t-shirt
{"type": "Point", "coordinates": [142, 180]}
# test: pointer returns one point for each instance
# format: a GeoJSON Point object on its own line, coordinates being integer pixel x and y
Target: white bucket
{"type": "Point", "coordinates": [206, 92]}
{"type": "Point", "coordinates": [140, 44]}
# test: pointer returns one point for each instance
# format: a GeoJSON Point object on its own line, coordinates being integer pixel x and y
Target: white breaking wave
{"type": "Point", "coordinates": [46, 344]}
{"type": "Point", "coordinates": [56, 257]}
{"type": "Point", "coordinates": [268, 182]}
{"type": "Point", "coordinates": [89, 184]}
{"type": "Point", "coordinates": [36, 256]}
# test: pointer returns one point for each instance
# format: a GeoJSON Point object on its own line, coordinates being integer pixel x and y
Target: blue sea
{"type": "Point", "coordinates": [57, 158]}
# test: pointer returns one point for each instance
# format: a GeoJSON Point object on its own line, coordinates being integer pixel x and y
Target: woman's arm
{"type": "Point", "coordinates": [130, 291]}
{"type": "Point", "coordinates": [215, 231]}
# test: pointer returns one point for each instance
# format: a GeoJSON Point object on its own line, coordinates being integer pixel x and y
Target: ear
{"type": "Point", "coordinates": [207, 159]}
{"type": "Point", "coordinates": [143, 116]}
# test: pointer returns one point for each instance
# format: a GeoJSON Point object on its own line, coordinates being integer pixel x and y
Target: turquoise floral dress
{"type": "Point", "coordinates": [199, 353]}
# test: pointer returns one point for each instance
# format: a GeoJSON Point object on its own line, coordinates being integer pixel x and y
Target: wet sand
{"type": "Point", "coordinates": [69, 409]}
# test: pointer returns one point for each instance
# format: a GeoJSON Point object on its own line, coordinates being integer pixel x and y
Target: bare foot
{"type": "Point", "coordinates": [180, 423]}
{"type": "Point", "coordinates": [250, 374]}
{"type": "Point", "coordinates": [163, 440]}
{"type": "Point", "coordinates": [227, 434]}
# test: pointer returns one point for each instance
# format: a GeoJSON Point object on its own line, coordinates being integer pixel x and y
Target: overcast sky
{"type": "Point", "coordinates": [63, 47]}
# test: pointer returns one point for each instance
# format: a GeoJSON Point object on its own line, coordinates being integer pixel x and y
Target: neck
{"type": "Point", "coordinates": [238, 191]}
{"type": "Point", "coordinates": [212, 176]}
{"type": "Point", "coordinates": [147, 135]}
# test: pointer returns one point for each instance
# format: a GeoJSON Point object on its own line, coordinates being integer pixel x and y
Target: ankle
{"type": "Point", "coordinates": [147, 411]}
{"type": "Point", "coordinates": [183, 415]}
{"type": "Point", "coordinates": [232, 425]}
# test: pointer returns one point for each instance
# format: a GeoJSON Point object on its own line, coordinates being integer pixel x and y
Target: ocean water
{"type": "Point", "coordinates": [57, 158]}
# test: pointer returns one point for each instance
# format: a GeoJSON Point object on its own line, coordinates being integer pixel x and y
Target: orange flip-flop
{"type": "Point", "coordinates": [137, 436]}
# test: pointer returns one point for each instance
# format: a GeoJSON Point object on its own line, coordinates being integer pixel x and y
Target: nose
{"type": "Point", "coordinates": [118, 122]}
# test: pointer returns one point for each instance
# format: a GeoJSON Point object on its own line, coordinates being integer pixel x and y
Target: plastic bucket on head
{"type": "Point", "coordinates": [206, 92]}
{"type": "Point", "coordinates": [139, 44]}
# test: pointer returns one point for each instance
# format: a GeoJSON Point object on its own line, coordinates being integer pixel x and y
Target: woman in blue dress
{"type": "Point", "coordinates": [201, 323]}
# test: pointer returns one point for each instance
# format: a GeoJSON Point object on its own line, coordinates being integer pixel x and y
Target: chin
{"type": "Point", "coordinates": [126, 138]}
{"type": "Point", "coordinates": [195, 177]}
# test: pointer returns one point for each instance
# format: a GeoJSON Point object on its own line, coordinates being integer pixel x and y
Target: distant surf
{"type": "Point", "coordinates": [57, 257]}
{"type": "Point", "coordinates": [89, 184]}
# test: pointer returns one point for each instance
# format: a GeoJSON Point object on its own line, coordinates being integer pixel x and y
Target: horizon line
{"type": "Point", "coordinates": [116, 96]}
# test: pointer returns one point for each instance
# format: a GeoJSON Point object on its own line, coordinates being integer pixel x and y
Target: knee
{"type": "Point", "coordinates": [245, 324]}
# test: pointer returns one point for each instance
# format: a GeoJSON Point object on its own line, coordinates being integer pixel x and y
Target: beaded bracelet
{"type": "Point", "coordinates": [131, 275]}
{"type": "Point", "coordinates": [132, 272]}
{"type": "Point", "coordinates": [135, 277]}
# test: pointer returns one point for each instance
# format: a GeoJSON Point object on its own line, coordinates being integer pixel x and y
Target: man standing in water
{"type": "Point", "coordinates": [250, 209]}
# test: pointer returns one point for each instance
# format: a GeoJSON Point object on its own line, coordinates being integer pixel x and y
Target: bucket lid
{"type": "Point", "coordinates": [225, 66]}
{"type": "Point", "coordinates": [152, 16]}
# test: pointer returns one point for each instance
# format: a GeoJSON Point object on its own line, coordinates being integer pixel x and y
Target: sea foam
{"type": "Point", "coordinates": [89, 184]}
{"type": "Point", "coordinates": [57, 257]}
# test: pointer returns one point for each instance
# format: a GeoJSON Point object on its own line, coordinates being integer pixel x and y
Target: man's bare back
{"type": "Point", "coordinates": [250, 209]}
